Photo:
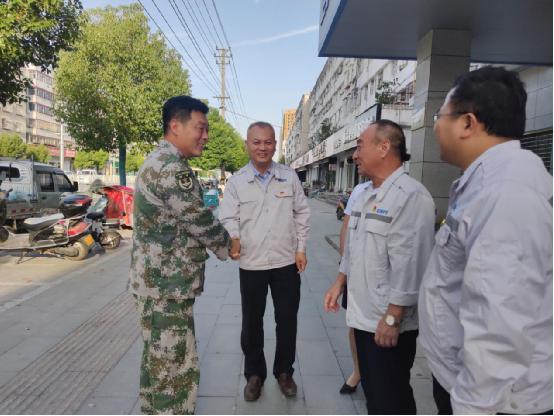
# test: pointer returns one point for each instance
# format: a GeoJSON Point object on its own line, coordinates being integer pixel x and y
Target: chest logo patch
{"type": "Point", "coordinates": [380, 211]}
{"type": "Point", "coordinates": [184, 180]}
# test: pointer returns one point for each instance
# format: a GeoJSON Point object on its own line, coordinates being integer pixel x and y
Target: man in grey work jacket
{"type": "Point", "coordinates": [486, 298]}
{"type": "Point", "coordinates": [267, 216]}
{"type": "Point", "coordinates": [390, 238]}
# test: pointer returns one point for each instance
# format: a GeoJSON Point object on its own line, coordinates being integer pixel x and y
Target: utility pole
{"type": "Point", "coordinates": [222, 59]}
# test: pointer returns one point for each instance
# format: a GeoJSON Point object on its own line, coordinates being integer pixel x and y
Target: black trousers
{"type": "Point", "coordinates": [385, 373]}
{"type": "Point", "coordinates": [444, 407]}
{"type": "Point", "coordinates": [285, 291]}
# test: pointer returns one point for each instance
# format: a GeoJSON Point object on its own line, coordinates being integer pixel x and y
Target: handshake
{"type": "Point", "coordinates": [234, 250]}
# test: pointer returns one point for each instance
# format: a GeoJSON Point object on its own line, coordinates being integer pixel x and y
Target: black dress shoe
{"type": "Point", "coordinates": [347, 389]}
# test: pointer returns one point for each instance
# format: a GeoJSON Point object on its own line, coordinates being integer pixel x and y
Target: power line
{"type": "Point", "coordinates": [173, 46]}
{"type": "Point", "coordinates": [213, 24]}
{"type": "Point", "coordinates": [253, 119]}
{"type": "Point", "coordinates": [206, 24]}
{"type": "Point", "coordinates": [220, 24]}
{"type": "Point", "coordinates": [181, 19]}
{"type": "Point", "coordinates": [237, 85]}
{"type": "Point", "coordinates": [192, 15]}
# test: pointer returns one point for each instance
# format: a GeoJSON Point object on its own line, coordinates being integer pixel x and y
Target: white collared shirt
{"type": "Point", "coordinates": [486, 299]}
{"type": "Point", "coordinates": [272, 219]}
{"type": "Point", "coordinates": [389, 240]}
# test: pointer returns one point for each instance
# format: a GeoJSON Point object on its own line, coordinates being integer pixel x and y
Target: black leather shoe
{"type": "Point", "coordinates": [347, 389]}
{"type": "Point", "coordinates": [287, 384]}
{"type": "Point", "coordinates": [253, 388]}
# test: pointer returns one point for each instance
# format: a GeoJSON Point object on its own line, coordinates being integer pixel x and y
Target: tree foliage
{"type": "Point", "coordinates": [111, 87]}
{"type": "Point", "coordinates": [32, 32]}
{"type": "Point", "coordinates": [225, 149]}
{"type": "Point", "coordinates": [38, 153]}
{"type": "Point", "coordinates": [95, 159]}
{"type": "Point", "coordinates": [385, 92]}
{"type": "Point", "coordinates": [12, 145]}
{"type": "Point", "coordinates": [134, 161]}
{"type": "Point", "coordinates": [326, 129]}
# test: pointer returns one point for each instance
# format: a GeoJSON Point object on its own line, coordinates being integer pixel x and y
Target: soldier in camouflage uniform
{"type": "Point", "coordinates": [172, 230]}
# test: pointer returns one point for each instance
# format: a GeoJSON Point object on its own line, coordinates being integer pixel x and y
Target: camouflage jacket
{"type": "Point", "coordinates": [172, 229]}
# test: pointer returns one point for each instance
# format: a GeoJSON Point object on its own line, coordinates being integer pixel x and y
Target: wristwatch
{"type": "Point", "coordinates": [390, 320]}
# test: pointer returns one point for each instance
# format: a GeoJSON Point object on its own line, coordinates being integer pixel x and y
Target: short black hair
{"type": "Point", "coordinates": [387, 129]}
{"type": "Point", "coordinates": [180, 107]}
{"type": "Point", "coordinates": [496, 97]}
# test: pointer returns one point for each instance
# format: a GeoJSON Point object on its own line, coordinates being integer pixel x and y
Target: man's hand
{"type": "Point", "coordinates": [330, 298]}
{"type": "Point", "coordinates": [386, 336]}
{"type": "Point", "coordinates": [234, 251]}
{"type": "Point", "coordinates": [301, 261]}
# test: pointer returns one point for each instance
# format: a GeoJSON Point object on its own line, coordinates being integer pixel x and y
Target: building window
{"type": "Point", "coordinates": [541, 145]}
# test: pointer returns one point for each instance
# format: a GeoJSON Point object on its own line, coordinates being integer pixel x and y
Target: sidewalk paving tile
{"type": "Point", "coordinates": [220, 374]}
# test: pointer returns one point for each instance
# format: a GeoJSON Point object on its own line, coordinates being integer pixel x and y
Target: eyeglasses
{"type": "Point", "coordinates": [438, 115]}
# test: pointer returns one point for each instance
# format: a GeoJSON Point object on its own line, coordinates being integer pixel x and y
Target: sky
{"type": "Point", "coordinates": [274, 45]}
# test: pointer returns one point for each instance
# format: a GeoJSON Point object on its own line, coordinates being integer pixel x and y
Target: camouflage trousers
{"type": "Point", "coordinates": [169, 373]}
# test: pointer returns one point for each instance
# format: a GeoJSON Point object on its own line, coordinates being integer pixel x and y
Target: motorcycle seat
{"type": "Point", "coordinates": [94, 216]}
{"type": "Point", "coordinates": [35, 224]}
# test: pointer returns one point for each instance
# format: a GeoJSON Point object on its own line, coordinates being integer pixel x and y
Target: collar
{"type": "Point", "coordinates": [164, 144]}
{"type": "Point", "coordinates": [493, 152]}
{"type": "Point", "coordinates": [386, 185]}
{"type": "Point", "coordinates": [252, 172]}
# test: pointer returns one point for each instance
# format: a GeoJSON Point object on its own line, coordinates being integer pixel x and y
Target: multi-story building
{"type": "Point", "coordinates": [13, 119]}
{"type": "Point", "coordinates": [297, 143]}
{"type": "Point", "coordinates": [34, 119]}
{"type": "Point", "coordinates": [286, 124]}
{"type": "Point", "coordinates": [348, 94]}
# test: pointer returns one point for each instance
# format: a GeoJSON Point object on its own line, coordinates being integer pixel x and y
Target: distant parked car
{"type": "Point", "coordinates": [86, 176]}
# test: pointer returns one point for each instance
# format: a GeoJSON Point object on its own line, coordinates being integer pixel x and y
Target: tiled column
{"type": "Point", "coordinates": [442, 55]}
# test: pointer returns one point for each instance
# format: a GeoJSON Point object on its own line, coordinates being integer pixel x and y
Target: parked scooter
{"type": "Point", "coordinates": [102, 232]}
{"type": "Point", "coordinates": [64, 237]}
{"type": "Point", "coordinates": [343, 200]}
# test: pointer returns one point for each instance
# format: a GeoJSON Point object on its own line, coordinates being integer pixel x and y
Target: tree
{"type": "Point", "coordinates": [134, 161]}
{"type": "Point", "coordinates": [12, 145]}
{"type": "Point", "coordinates": [225, 149]}
{"type": "Point", "coordinates": [111, 87]}
{"type": "Point", "coordinates": [32, 32]}
{"type": "Point", "coordinates": [38, 153]}
{"type": "Point", "coordinates": [91, 159]}
{"type": "Point", "coordinates": [385, 92]}
{"type": "Point", "coordinates": [326, 129]}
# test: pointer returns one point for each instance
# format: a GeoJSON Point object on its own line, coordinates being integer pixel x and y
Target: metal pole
{"type": "Point", "coordinates": [61, 147]}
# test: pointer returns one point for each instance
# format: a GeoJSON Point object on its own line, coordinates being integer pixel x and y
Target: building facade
{"type": "Point", "coordinates": [348, 95]}
{"type": "Point", "coordinates": [286, 124]}
{"type": "Point", "coordinates": [34, 119]}
{"type": "Point", "coordinates": [297, 143]}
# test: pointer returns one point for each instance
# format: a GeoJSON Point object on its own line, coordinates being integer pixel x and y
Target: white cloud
{"type": "Point", "coordinates": [280, 36]}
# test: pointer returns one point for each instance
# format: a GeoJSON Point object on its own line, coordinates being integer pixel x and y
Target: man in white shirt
{"type": "Point", "coordinates": [266, 214]}
{"type": "Point", "coordinates": [486, 299]}
{"type": "Point", "coordinates": [389, 240]}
